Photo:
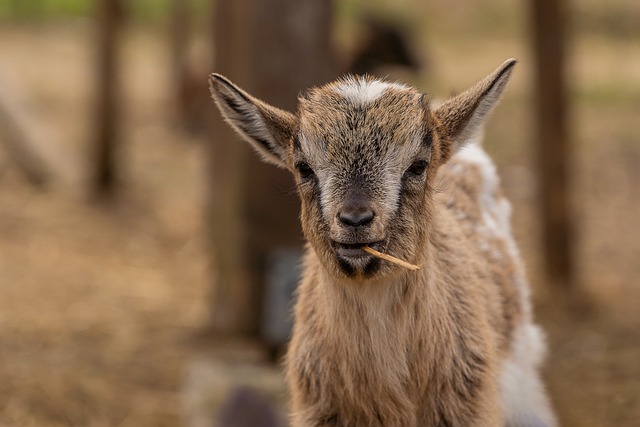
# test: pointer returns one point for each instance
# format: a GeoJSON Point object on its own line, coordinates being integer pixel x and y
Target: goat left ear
{"type": "Point", "coordinates": [460, 119]}
{"type": "Point", "coordinates": [267, 128]}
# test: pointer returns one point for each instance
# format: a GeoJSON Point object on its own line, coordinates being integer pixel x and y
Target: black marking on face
{"type": "Point", "coordinates": [346, 267]}
{"type": "Point", "coordinates": [427, 140]}
{"type": "Point", "coordinates": [372, 267]}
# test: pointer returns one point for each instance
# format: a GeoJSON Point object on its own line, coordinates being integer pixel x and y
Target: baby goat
{"type": "Point", "coordinates": [451, 344]}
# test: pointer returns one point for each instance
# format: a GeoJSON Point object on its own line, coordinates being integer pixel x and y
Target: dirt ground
{"type": "Point", "coordinates": [98, 302]}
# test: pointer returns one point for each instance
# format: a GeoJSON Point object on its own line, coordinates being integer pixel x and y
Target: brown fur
{"type": "Point", "coordinates": [374, 344]}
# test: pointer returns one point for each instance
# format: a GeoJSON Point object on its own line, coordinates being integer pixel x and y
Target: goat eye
{"type": "Point", "coordinates": [417, 168]}
{"type": "Point", "coordinates": [305, 170]}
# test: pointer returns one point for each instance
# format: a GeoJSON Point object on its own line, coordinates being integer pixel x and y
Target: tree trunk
{"type": "Point", "coordinates": [274, 49]}
{"type": "Point", "coordinates": [187, 92]}
{"type": "Point", "coordinates": [180, 26]}
{"type": "Point", "coordinates": [231, 310]}
{"type": "Point", "coordinates": [552, 139]}
{"type": "Point", "coordinates": [109, 15]}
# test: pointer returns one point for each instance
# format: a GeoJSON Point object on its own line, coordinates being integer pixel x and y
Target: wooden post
{"type": "Point", "coordinates": [109, 15]}
{"type": "Point", "coordinates": [552, 139]}
{"type": "Point", "coordinates": [274, 49]}
{"type": "Point", "coordinates": [180, 25]}
{"type": "Point", "coordinates": [231, 310]}
{"type": "Point", "coordinates": [187, 92]}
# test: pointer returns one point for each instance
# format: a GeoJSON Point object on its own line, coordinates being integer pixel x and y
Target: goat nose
{"type": "Point", "coordinates": [356, 217]}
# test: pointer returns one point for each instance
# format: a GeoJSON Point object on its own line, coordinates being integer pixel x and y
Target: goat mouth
{"type": "Point", "coordinates": [354, 250]}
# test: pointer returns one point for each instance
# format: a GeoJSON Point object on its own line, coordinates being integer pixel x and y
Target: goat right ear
{"type": "Point", "coordinates": [267, 128]}
{"type": "Point", "coordinates": [462, 117]}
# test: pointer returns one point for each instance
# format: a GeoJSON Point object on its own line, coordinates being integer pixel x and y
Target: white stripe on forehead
{"type": "Point", "coordinates": [362, 91]}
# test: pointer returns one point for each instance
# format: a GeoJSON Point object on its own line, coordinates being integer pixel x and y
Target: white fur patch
{"type": "Point", "coordinates": [524, 400]}
{"type": "Point", "coordinates": [361, 91]}
{"type": "Point", "coordinates": [523, 396]}
{"type": "Point", "coordinates": [496, 212]}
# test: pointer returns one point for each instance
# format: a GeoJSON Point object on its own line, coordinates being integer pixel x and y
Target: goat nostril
{"type": "Point", "coordinates": [356, 219]}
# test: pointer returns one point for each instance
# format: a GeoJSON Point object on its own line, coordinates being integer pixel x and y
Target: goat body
{"type": "Point", "coordinates": [452, 344]}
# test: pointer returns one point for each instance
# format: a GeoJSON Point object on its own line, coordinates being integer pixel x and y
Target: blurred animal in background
{"type": "Point", "coordinates": [383, 44]}
{"type": "Point", "coordinates": [449, 340]}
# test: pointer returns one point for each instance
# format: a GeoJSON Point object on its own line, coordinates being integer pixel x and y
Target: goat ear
{"type": "Point", "coordinates": [460, 118]}
{"type": "Point", "coordinates": [268, 129]}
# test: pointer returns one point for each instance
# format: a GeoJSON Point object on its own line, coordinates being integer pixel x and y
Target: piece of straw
{"type": "Point", "coordinates": [390, 258]}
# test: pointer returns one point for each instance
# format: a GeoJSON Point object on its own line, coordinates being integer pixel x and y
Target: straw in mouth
{"type": "Point", "coordinates": [390, 258]}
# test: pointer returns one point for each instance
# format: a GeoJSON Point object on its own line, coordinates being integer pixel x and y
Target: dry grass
{"type": "Point", "coordinates": [97, 303]}
{"type": "Point", "coordinates": [391, 259]}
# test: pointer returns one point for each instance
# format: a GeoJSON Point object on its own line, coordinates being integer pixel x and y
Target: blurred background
{"type": "Point", "coordinates": [147, 257]}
